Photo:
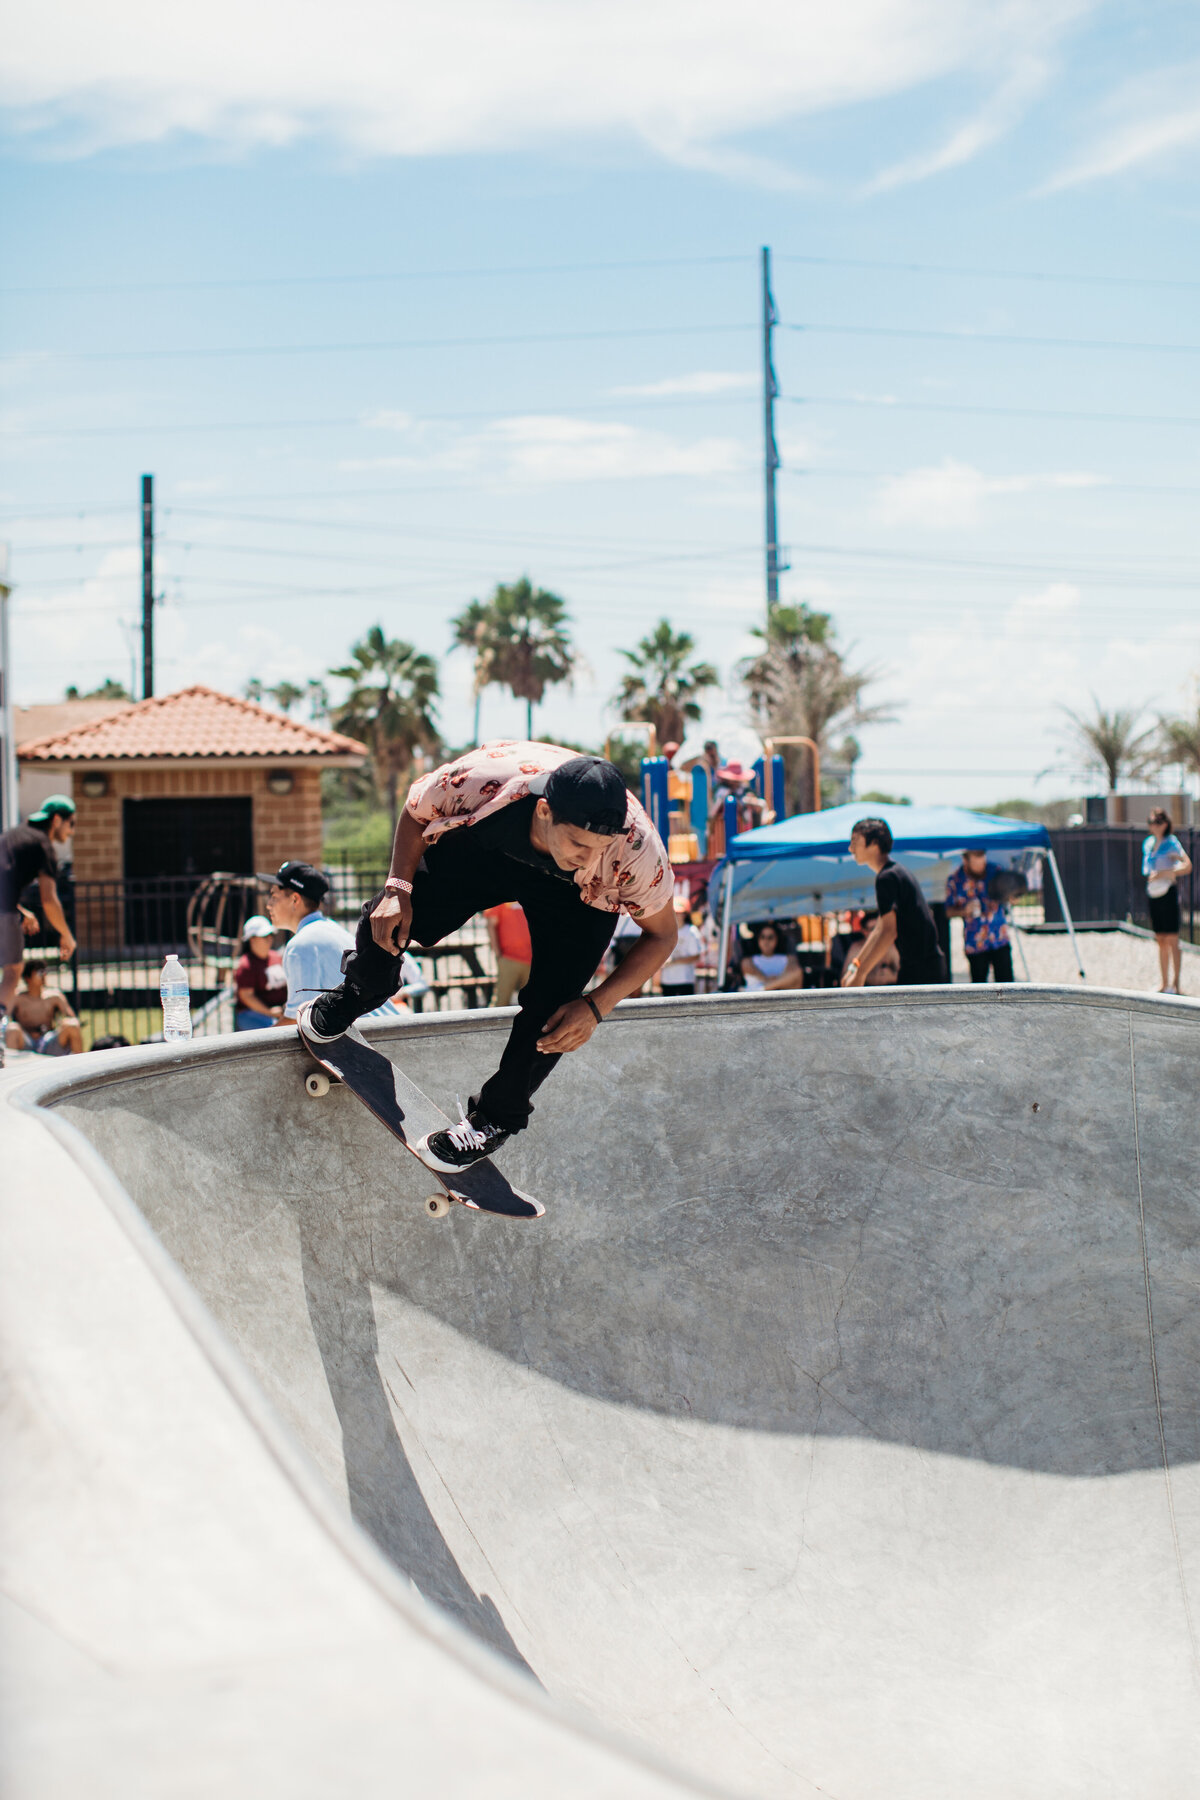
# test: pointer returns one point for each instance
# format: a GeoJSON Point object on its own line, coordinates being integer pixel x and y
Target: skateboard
{"type": "Point", "coordinates": [398, 1103]}
{"type": "Point", "coordinates": [1007, 884]}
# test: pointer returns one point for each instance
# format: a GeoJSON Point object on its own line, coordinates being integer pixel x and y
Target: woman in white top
{"type": "Point", "coordinates": [678, 974]}
{"type": "Point", "coordinates": [1164, 860]}
{"type": "Point", "coordinates": [769, 966]}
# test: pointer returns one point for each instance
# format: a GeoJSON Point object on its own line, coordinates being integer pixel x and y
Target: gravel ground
{"type": "Point", "coordinates": [1112, 959]}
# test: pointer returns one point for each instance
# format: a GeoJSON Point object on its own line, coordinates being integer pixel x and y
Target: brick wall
{"type": "Point", "coordinates": [285, 826]}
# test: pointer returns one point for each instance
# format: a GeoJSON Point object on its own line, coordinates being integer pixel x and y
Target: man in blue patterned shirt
{"type": "Point", "coordinates": [985, 921]}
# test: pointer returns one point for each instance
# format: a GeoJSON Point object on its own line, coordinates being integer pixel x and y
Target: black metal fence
{"type": "Point", "coordinates": [1101, 869]}
{"type": "Point", "coordinates": [125, 930]}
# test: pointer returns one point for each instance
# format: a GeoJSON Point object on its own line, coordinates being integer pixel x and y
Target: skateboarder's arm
{"type": "Point", "coordinates": [573, 1024]}
{"type": "Point", "coordinates": [879, 942]}
{"type": "Point", "coordinates": [391, 918]}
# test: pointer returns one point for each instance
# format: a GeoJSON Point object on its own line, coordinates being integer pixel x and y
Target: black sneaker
{"type": "Point", "coordinates": [458, 1146]}
{"type": "Point", "coordinates": [330, 1015]}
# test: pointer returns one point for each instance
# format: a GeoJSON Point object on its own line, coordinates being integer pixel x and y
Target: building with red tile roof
{"type": "Point", "coordinates": [189, 783]}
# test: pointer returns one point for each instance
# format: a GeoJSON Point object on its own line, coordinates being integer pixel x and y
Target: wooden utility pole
{"type": "Point", "coordinates": [147, 586]}
{"type": "Point", "coordinates": [770, 319]}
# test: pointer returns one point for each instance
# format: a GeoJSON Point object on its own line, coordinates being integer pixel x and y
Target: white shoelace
{"type": "Point", "coordinates": [464, 1135]}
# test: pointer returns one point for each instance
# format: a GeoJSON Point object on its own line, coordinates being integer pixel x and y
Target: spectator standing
{"type": "Point", "coordinates": [904, 921]}
{"type": "Point", "coordinates": [1164, 860]}
{"type": "Point", "coordinates": [769, 965]}
{"type": "Point", "coordinates": [312, 957]}
{"type": "Point", "coordinates": [26, 854]}
{"type": "Point", "coordinates": [678, 974]}
{"type": "Point", "coordinates": [985, 921]}
{"type": "Point", "coordinates": [734, 778]}
{"type": "Point", "coordinates": [42, 1019]}
{"type": "Point", "coordinates": [508, 930]}
{"type": "Point", "coordinates": [258, 980]}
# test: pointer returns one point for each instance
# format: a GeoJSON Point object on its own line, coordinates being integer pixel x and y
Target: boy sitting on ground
{"type": "Point", "coordinates": [41, 1018]}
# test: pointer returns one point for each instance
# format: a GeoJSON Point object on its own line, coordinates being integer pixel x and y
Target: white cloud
{"type": "Point", "coordinates": [701, 381]}
{"type": "Point", "coordinates": [993, 680]}
{"type": "Point", "coordinates": [553, 447]}
{"type": "Point", "coordinates": [997, 115]}
{"type": "Point", "coordinates": [1151, 120]}
{"type": "Point", "coordinates": [543, 447]}
{"type": "Point", "coordinates": [399, 77]}
{"type": "Point", "coordinates": [951, 496]}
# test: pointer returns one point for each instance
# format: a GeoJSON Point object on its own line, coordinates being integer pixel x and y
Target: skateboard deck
{"type": "Point", "coordinates": [398, 1103]}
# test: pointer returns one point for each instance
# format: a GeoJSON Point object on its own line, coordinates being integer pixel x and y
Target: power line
{"type": "Point", "coordinates": [811, 328]}
{"type": "Point", "coordinates": [366, 424]}
{"type": "Point", "coordinates": [988, 337]}
{"type": "Point", "coordinates": [379, 421]}
{"type": "Point", "coordinates": [999, 412]}
{"type": "Point", "coordinates": [1102, 486]}
{"type": "Point", "coordinates": [395, 275]}
{"type": "Point", "coordinates": [1048, 275]}
{"type": "Point", "coordinates": [1072, 277]}
{"type": "Point", "coordinates": [450, 343]}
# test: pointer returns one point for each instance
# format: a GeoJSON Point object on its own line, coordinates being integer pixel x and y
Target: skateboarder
{"type": "Point", "coordinates": [514, 821]}
{"type": "Point", "coordinates": [904, 916]}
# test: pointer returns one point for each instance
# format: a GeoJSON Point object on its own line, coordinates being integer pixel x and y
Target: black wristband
{"type": "Point", "coordinates": [599, 1015]}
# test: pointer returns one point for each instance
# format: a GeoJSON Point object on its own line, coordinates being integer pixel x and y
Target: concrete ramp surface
{"type": "Point", "coordinates": [837, 1432]}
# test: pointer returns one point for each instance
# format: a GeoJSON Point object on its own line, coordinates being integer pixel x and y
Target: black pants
{"type": "Point", "coordinates": [929, 973]}
{"type": "Point", "coordinates": [999, 961]}
{"type": "Point", "coordinates": [457, 878]}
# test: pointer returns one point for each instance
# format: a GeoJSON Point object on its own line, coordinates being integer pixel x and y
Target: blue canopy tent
{"type": "Point", "coordinates": [804, 863]}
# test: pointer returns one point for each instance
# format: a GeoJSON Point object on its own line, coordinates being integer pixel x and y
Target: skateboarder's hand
{"type": "Point", "coordinates": [391, 922]}
{"type": "Point", "coordinates": [568, 1028]}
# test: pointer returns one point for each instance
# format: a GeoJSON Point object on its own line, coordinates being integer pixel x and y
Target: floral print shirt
{"type": "Point", "coordinates": [985, 926]}
{"type": "Point", "coordinates": [630, 873]}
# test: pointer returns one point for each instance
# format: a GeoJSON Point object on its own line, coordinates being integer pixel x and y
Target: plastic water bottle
{"type": "Point", "coordinates": [176, 1000]}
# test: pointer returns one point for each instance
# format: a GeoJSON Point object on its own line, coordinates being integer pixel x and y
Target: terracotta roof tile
{"type": "Point", "coordinates": [197, 721]}
{"type": "Point", "coordinates": [59, 716]}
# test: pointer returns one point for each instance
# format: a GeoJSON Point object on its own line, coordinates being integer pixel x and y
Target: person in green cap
{"type": "Point", "coordinates": [26, 854]}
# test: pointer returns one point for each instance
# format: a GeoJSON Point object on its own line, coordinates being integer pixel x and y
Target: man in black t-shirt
{"type": "Point", "coordinates": [25, 856]}
{"type": "Point", "coordinates": [904, 916]}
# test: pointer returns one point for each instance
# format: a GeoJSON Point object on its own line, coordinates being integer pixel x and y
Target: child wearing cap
{"type": "Point", "coordinates": [258, 979]}
{"type": "Point", "coordinates": [559, 833]}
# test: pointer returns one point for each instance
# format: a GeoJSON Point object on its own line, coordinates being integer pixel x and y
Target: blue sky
{"type": "Point", "coordinates": [396, 307]}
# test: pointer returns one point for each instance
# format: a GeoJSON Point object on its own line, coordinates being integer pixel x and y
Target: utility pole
{"type": "Point", "coordinates": [9, 809]}
{"type": "Point", "coordinates": [147, 586]}
{"type": "Point", "coordinates": [770, 318]}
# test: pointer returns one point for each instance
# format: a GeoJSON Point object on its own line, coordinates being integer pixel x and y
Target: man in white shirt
{"type": "Point", "coordinates": [312, 956]}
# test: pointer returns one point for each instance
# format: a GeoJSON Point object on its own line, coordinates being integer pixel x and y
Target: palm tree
{"type": "Point", "coordinates": [521, 640]}
{"type": "Point", "coordinates": [285, 693]}
{"type": "Point", "coordinates": [1179, 743]}
{"type": "Point", "coordinates": [391, 705]}
{"type": "Point", "coordinates": [474, 630]}
{"type": "Point", "coordinates": [1111, 741]}
{"type": "Point", "coordinates": [660, 686]}
{"type": "Point", "coordinates": [799, 684]}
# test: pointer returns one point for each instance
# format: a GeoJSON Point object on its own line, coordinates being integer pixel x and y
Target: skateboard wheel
{"type": "Point", "coordinates": [316, 1085]}
{"type": "Point", "coordinates": [437, 1206]}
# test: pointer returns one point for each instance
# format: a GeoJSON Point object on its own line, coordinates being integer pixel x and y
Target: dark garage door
{"type": "Point", "coordinates": [170, 845]}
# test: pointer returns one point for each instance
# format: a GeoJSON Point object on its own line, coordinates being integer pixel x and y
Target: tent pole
{"type": "Point", "coordinates": [726, 907]}
{"type": "Point", "coordinates": [1050, 857]}
{"type": "Point", "coordinates": [1016, 936]}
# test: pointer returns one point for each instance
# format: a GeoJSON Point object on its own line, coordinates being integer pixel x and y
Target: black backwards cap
{"type": "Point", "coordinates": [301, 878]}
{"type": "Point", "coordinates": [586, 792]}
